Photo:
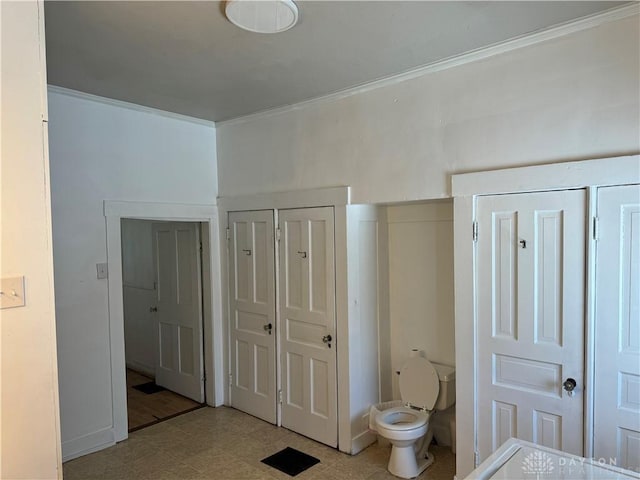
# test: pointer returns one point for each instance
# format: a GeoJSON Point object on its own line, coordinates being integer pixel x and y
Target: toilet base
{"type": "Point", "coordinates": [404, 464]}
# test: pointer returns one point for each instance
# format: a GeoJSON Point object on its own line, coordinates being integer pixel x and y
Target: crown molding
{"type": "Point", "coordinates": [515, 43]}
{"type": "Point", "coordinates": [129, 106]}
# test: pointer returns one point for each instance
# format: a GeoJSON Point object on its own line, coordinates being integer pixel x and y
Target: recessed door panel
{"type": "Point", "coordinates": [548, 277]}
{"type": "Point", "coordinates": [504, 275]}
{"type": "Point", "coordinates": [294, 265]}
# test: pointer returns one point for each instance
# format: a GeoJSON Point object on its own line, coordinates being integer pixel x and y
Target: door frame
{"type": "Point", "coordinates": [114, 211]}
{"type": "Point", "coordinates": [338, 198]}
{"type": "Point", "coordinates": [587, 174]}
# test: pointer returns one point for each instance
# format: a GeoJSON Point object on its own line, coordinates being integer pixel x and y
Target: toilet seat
{"type": "Point", "coordinates": [403, 418]}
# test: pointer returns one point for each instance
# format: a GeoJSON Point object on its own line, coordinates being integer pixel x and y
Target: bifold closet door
{"type": "Point", "coordinates": [307, 316]}
{"type": "Point", "coordinates": [252, 307]}
{"type": "Point", "coordinates": [617, 327]}
{"type": "Point", "coordinates": [530, 331]}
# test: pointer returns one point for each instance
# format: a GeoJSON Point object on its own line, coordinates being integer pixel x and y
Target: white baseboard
{"type": "Point", "coordinates": [362, 441]}
{"type": "Point", "coordinates": [86, 444]}
{"type": "Point", "coordinates": [141, 368]}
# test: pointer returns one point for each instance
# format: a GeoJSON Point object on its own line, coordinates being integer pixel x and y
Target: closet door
{"type": "Point", "coordinates": [617, 338]}
{"type": "Point", "coordinates": [252, 307]}
{"type": "Point", "coordinates": [307, 319]}
{"type": "Point", "coordinates": [530, 303]}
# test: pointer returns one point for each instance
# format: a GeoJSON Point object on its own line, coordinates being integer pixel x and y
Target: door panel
{"type": "Point", "coordinates": [308, 319]}
{"type": "Point", "coordinates": [179, 361]}
{"type": "Point", "coordinates": [617, 347]}
{"type": "Point", "coordinates": [530, 264]}
{"type": "Point", "coordinates": [252, 302]}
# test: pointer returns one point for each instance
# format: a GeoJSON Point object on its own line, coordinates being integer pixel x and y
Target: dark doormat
{"type": "Point", "coordinates": [149, 387]}
{"type": "Point", "coordinates": [291, 461]}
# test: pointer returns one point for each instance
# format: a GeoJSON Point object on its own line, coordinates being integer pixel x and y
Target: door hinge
{"type": "Point", "coordinates": [231, 380]}
{"type": "Point", "coordinates": [476, 459]}
{"type": "Point", "coordinates": [474, 231]}
{"type": "Point", "coordinates": [200, 247]}
{"type": "Point", "coordinates": [278, 234]}
{"type": "Point", "coordinates": [228, 234]}
{"type": "Point", "coordinates": [594, 228]}
{"type": "Point", "coordinates": [280, 397]}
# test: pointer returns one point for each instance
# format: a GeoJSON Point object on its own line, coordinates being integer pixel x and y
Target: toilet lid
{"type": "Point", "coordinates": [419, 383]}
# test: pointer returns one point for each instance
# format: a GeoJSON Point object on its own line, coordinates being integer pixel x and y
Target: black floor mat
{"type": "Point", "coordinates": [291, 461]}
{"type": "Point", "coordinates": [149, 387]}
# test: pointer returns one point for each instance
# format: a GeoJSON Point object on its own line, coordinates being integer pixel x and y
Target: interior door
{"type": "Point", "coordinates": [179, 361]}
{"type": "Point", "coordinates": [530, 303]}
{"type": "Point", "coordinates": [617, 338]}
{"type": "Point", "coordinates": [307, 313]}
{"type": "Point", "coordinates": [252, 307]}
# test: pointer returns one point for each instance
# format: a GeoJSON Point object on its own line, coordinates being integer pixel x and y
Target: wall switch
{"type": "Point", "coordinates": [103, 270]}
{"type": "Point", "coordinates": [12, 292]}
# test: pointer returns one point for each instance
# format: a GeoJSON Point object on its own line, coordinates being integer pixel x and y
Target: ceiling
{"type": "Point", "coordinates": [187, 58]}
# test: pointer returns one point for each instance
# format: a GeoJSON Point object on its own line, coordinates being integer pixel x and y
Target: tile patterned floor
{"type": "Point", "coordinates": [223, 443]}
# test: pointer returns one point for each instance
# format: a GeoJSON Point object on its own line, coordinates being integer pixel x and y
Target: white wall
{"type": "Point", "coordinates": [139, 295]}
{"type": "Point", "coordinates": [568, 98]}
{"type": "Point", "coordinates": [29, 419]}
{"type": "Point", "coordinates": [105, 151]}
{"type": "Point", "coordinates": [421, 283]}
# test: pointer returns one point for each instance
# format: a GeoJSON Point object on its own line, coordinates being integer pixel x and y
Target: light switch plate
{"type": "Point", "coordinates": [102, 270]}
{"type": "Point", "coordinates": [12, 292]}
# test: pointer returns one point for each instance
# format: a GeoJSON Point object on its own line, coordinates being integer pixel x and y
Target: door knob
{"type": "Point", "coordinates": [153, 309]}
{"type": "Point", "coordinates": [268, 327]}
{"type": "Point", "coordinates": [327, 339]}
{"type": "Point", "coordinates": [569, 385]}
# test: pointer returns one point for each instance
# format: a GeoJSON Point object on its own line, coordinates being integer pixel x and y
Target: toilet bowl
{"type": "Point", "coordinates": [407, 427]}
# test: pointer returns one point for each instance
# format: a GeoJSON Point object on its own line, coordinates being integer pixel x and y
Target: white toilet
{"type": "Point", "coordinates": [424, 387]}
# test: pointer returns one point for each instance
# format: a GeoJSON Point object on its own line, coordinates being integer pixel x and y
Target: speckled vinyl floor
{"type": "Point", "coordinates": [223, 443]}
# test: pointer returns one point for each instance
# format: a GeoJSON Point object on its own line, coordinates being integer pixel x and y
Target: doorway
{"type": "Point", "coordinates": [162, 300]}
{"type": "Point", "coordinates": [207, 215]}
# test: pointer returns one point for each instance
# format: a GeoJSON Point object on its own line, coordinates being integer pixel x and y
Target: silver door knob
{"type": "Point", "coordinates": [326, 338]}
{"type": "Point", "coordinates": [569, 385]}
{"type": "Point", "coordinates": [267, 328]}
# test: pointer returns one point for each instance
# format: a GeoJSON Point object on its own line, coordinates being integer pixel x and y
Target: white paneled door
{"type": "Point", "coordinates": [617, 339]}
{"type": "Point", "coordinates": [307, 316]}
{"type": "Point", "coordinates": [252, 307]}
{"type": "Point", "coordinates": [179, 364]}
{"type": "Point", "coordinates": [530, 340]}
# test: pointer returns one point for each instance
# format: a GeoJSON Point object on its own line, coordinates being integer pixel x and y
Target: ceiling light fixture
{"type": "Point", "coordinates": [262, 16]}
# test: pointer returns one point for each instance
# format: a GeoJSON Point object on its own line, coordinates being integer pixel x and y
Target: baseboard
{"type": "Point", "coordinates": [362, 441]}
{"type": "Point", "coordinates": [141, 368]}
{"type": "Point", "coordinates": [86, 444]}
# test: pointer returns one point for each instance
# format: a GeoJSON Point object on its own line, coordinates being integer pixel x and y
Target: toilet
{"type": "Point", "coordinates": [424, 387]}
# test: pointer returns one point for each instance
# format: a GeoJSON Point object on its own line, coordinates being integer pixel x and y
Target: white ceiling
{"type": "Point", "coordinates": [186, 57]}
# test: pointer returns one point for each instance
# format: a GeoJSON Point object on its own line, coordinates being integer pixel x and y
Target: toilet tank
{"type": "Point", "coordinates": [447, 396]}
